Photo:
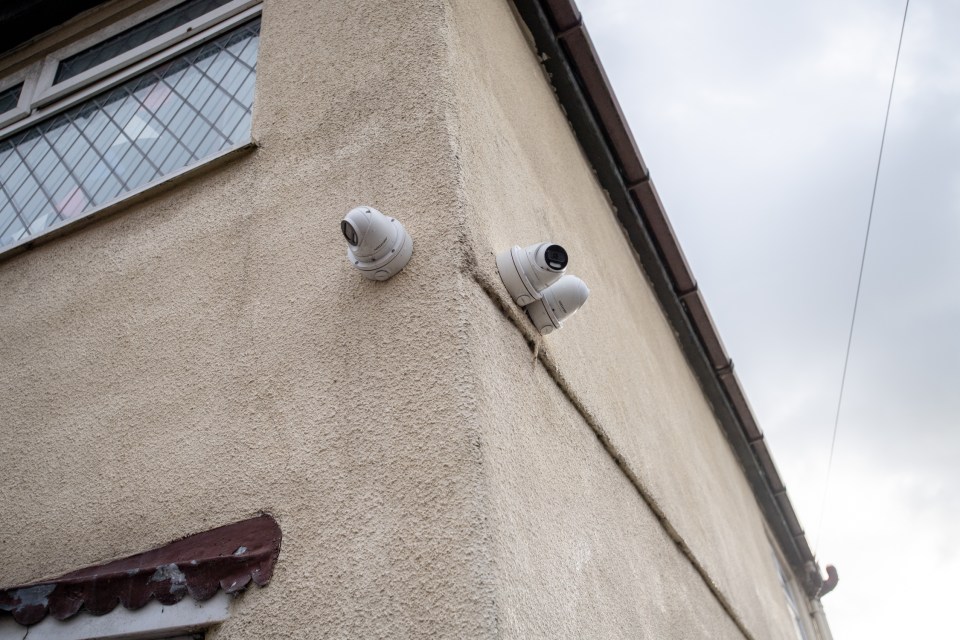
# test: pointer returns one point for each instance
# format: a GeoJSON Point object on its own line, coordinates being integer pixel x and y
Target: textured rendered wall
{"type": "Point", "coordinates": [208, 354]}
{"type": "Point", "coordinates": [526, 180]}
{"type": "Point", "coordinates": [577, 553]}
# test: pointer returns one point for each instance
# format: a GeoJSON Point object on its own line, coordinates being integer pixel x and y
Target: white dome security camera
{"type": "Point", "coordinates": [527, 272]}
{"type": "Point", "coordinates": [559, 301]}
{"type": "Point", "coordinates": [378, 246]}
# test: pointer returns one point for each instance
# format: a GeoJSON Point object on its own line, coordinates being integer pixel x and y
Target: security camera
{"type": "Point", "coordinates": [527, 272]}
{"type": "Point", "coordinates": [558, 302]}
{"type": "Point", "coordinates": [377, 245]}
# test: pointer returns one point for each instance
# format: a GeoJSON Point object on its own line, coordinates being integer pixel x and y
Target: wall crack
{"type": "Point", "coordinates": [495, 293]}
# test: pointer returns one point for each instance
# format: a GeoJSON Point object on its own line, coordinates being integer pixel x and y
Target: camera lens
{"type": "Point", "coordinates": [349, 233]}
{"type": "Point", "coordinates": [556, 257]}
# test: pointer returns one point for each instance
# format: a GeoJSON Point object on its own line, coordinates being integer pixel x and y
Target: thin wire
{"type": "Point", "coordinates": [856, 298]}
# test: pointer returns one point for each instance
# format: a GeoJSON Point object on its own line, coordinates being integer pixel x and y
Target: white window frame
{"type": "Point", "coordinates": [153, 621]}
{"type": "Point", "coordinates": [794, 605]}
{"type": "Point", "coordinates": [40, 98]}
{"type": "Point", "coordinates": [28, 78]}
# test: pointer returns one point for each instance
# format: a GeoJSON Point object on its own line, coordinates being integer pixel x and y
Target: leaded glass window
{"type": "Point", "coordinates": [134, 37]}
{"type": "Point", "coordinates": [10, 97]}
{"type": "Point", "coordinates": [168, 118]}
{"type": "Point", "coordinates": [792, 605]}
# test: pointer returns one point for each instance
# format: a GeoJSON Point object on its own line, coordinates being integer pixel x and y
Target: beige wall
{"type": "Point", "coordinates": [209, 353]}
{"type": "Point", "coordinates": [526, 180]}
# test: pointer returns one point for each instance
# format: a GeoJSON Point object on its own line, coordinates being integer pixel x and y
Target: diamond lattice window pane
{"type": "Point", "coordinates": [9, 97]}
{"type": "Point", "coordinates": [168, 118]}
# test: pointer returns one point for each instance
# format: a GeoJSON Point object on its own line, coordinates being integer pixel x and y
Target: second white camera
{"type": "Point", "coordinates": [527, 272]}
{"type": "Point", "coordinates": [535, 279]}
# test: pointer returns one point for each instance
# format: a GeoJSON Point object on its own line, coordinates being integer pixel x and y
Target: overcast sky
{"type": "Point", "coordinates": [761, 122]}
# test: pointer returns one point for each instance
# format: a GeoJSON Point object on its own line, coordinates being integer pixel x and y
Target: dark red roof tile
{"type": "Point", "coordinates": [227, 558]}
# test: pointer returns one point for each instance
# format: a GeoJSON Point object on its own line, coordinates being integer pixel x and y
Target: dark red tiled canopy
{"type": "Point", "coordinates": [227, 558]}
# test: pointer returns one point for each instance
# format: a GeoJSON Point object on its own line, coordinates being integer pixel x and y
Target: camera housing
{"type": "Point", "coordinates": [377, 245]}
{"type": "Point", "coordinates": [527, 272]}
{"type": "Point", "coordinates": [558, 302]}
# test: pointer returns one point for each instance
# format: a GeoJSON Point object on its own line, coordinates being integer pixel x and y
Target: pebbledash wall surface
{"type": "Point", "coordinates": [205, 353]}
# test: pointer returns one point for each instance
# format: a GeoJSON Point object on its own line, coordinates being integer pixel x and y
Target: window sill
{"type": "Point", "coordinates": [128, 199]}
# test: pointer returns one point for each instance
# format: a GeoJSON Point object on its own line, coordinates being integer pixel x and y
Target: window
{"type": "Point", "coordinates": [10, 97]}
{"type": "Point", "coordinates": [15, 90]}
{"type": "Point", "coordinates": [792, 605]}
{"type": "Point", "coordinates": [147, 97]}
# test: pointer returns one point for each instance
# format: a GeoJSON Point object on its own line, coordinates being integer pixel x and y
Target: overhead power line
{"type": "Point", "coordinates": [856, 297]}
